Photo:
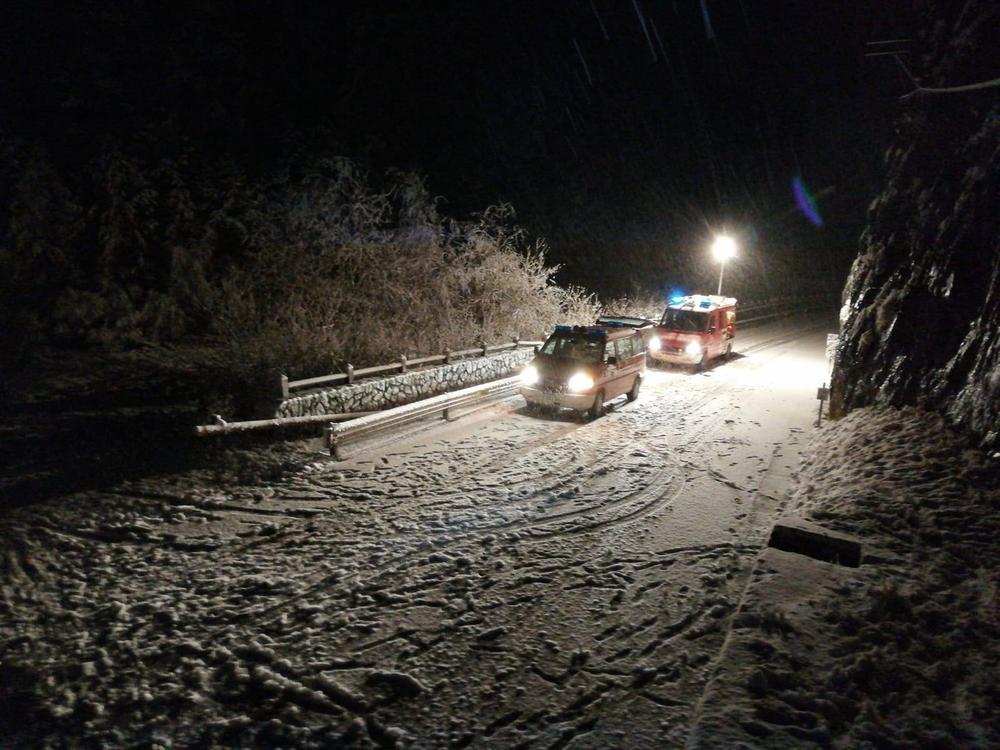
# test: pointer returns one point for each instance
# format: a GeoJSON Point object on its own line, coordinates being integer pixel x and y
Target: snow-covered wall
{"type": "Point", "coordinates": [400, 389]}
{"type": "Point", "coordinates": [923, 297]}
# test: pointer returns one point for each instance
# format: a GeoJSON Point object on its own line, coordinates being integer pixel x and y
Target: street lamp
{"type": "Point", "coordinates": [723, 249]}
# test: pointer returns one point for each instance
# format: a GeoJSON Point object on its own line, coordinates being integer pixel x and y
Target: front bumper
{"type": "Point", "coordinates": [676, 358]}
{"type": "Point", "coordinates": [578, 401]}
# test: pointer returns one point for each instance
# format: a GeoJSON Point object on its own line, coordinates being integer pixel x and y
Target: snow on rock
{"type": "Point", "coordinates": [405, 388]}
{"type": "Point", "coordinates": [922, 302]}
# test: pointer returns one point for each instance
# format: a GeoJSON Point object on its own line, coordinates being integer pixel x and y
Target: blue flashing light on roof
{"type": "Point", "coordinates": [677, 299]}
{"type": "Point", "coordinates": [613, 323]}
{"type": "Point", "coordinates": [564, 329]}
{"type": "Point", "coordinates": [705, 303]}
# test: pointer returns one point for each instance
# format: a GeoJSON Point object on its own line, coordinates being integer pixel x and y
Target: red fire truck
{"type": "Point", "coordinates": [694, 330]}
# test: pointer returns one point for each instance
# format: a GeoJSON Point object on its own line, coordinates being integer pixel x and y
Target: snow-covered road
{"type": "Point", "coordinates": [502, 580]}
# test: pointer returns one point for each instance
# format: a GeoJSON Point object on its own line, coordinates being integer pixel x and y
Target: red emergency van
{"type": "Point", "coordinates": [584, 367]}
{"type": "Point", "coordinates": [695, 329]}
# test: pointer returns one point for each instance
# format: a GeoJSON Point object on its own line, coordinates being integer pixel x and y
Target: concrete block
{"type": "Point", "coordinates": [794, 533]}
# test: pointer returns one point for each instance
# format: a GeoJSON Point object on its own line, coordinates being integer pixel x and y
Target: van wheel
{"type": "Point", "coordinates": [729, 351]}
{"type": "Point", "coordinates": [597, 410]}
{"type": "Point", "coordinates": [534, 408]}
{"type": "Point", "coordinates": [702, 363]}
{"type": "Point", "coordinates": [634, 393]}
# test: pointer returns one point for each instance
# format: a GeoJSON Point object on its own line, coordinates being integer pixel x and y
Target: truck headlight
{"type": "Point", "coordinates": [694, 348]}
{"type": "Point", "coordinates": [530, 375]}
{"type": "Point", "coordinates": [580, 382]}
{"type": "Point", "coordinates": [654, 344]}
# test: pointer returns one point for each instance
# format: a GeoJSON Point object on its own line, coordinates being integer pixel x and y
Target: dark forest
{"type": "Point", "coordinates": [153, 154]}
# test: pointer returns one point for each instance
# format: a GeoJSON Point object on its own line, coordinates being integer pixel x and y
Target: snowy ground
{"type": "Point", "coordinates": [501, 581]}
{"type": "Point", "coordinates": [900, 652]}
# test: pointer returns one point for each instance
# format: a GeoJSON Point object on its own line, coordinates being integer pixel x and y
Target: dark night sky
{"type": "Point", "coordinates": [614, 137]}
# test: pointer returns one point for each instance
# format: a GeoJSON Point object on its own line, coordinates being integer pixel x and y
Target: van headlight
{"type": "Point", "coordinates": [694, 348]}
{"type": "Point", "coordinates": [654, 344]}
{"type": "Point", "coordinates": [580, 382]}
{"type": "Point", "coordinates": [529, 376]}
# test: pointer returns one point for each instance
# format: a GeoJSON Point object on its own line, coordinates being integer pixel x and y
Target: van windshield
{"type": "Point", "coordinates": [576, 348]}
{"type": "Point", "coordinates": [685, 320]}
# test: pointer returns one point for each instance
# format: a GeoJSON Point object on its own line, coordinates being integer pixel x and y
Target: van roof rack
{"type": "Point", "coordinates": [592, 330]}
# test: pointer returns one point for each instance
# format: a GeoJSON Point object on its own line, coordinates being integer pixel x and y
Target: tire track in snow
{"type": "Point", "coordinates": [648, 500]}
{"type": "Point", "coordinates": [638, 503]}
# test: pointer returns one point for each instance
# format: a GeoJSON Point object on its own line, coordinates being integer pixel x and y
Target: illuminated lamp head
{"type": "Point", "coordinates": [723, 248]}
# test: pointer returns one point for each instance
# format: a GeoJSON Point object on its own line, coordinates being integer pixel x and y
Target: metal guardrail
{"type": "Point", "coordinates": [778, 307]}
{"type": "Point", "coordinates": [344, 433]}
{"type": "Point", "coordinates": [222, 427]}
{"type": "Point", "coordinates": [351, 373]}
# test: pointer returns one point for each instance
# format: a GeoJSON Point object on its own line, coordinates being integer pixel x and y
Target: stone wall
{"type": "Point", "coordinates": [382, 393]}
{"type": "Point", "coordinates": [922, 303]}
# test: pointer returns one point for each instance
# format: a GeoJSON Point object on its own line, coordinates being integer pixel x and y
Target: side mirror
{"type": "Point", "coordinates": [711, 329]}
{"type": "Point", "coordinates": [612, 360]}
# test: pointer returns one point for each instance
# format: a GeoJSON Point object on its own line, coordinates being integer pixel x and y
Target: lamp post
{"type": "Point", "coordinates": [723, 249]}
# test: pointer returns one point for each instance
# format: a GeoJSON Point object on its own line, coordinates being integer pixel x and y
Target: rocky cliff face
{"type": "Point", "coordinates": [921, 317]}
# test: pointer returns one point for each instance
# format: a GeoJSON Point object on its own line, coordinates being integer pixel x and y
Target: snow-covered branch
{"type": "Point", "coordinates": [952, 89]}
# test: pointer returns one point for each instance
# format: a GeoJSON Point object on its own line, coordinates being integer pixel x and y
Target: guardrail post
{"type": "Point", "coordinates": [330, 438]}
{"type": "Point", "coordinates": [350, 374]}
{"type": "Point", "coordinates": [402, 363]}
{"type": "Point", "coordinates": [447, 356]}
{"type": "Point", "coordinates": [284, 387]}
{"type": "Point", "coordinates": [486, 349]}
{"type": "Point", "coordinates": [517, 341]}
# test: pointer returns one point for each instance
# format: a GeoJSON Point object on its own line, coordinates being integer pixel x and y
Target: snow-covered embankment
{"type": "Point", "coordinates": [899, 652]}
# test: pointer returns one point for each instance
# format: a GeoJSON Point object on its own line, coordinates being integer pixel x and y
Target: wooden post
{"type": "Point", "coordinates": [284, 387]}
{"type": "Point", "coordinates": [447, 356]}
{"type": "Point", "coordinates": [486, 349]}
{"type": "Point", "coordinates": [402, 363]}
{"type": "Point", "coordinates": [350, 374]}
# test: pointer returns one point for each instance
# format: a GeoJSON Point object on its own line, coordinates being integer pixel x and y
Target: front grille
{"type": "Point", "coordinates": [550, 385]}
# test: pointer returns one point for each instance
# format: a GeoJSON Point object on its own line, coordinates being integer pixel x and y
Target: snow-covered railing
{"type": "Point", "coordinates": [338, 435]}
{"type": "Point", "coordinates": [351, 373]}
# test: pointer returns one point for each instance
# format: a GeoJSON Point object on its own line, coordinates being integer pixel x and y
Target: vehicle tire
{"type": "Point", "coordinates": [533, 408]}
{"type": "Point", "coordinates": [634, 393]}
{"type": "Point", "coordinates": [729, 351]}
{"type": "Point", "coordinates": [702, 363]}
{"type": "Point", "coordinates": [597, 410]}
